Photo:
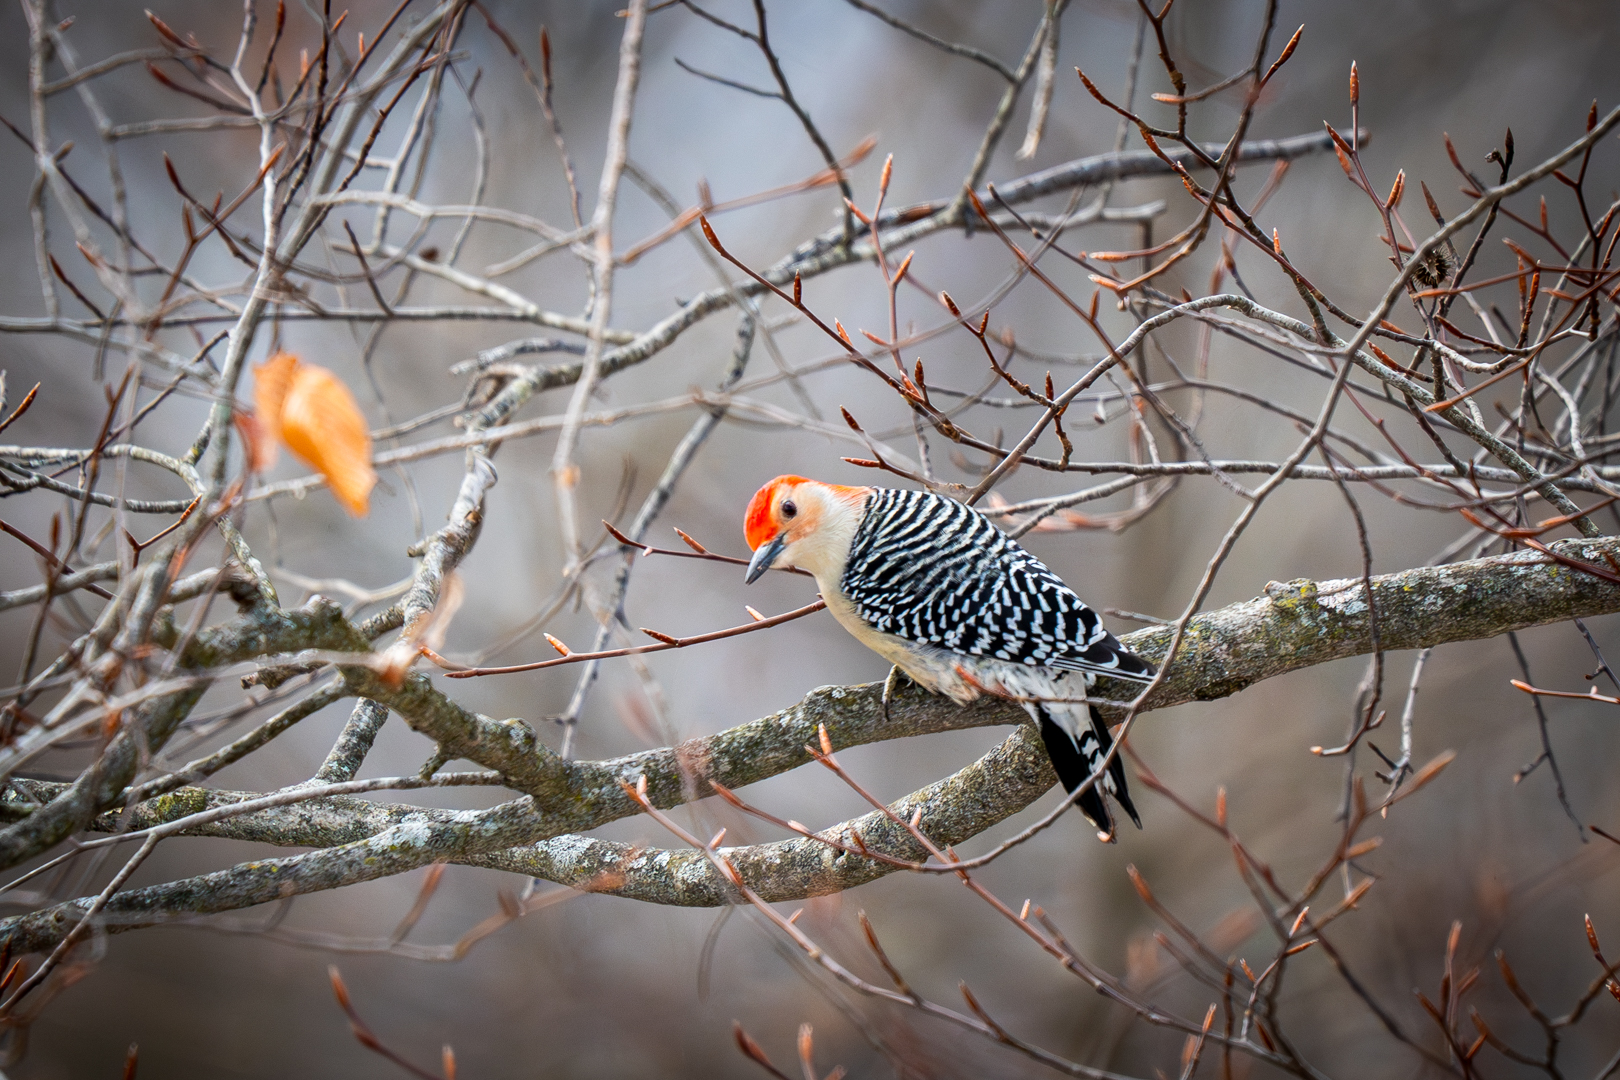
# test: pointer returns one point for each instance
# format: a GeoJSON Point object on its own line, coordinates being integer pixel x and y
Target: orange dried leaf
{"type": "Point", "coordinates": [271, 380]}
{"type": "Point", "coordinates": [311, 411]}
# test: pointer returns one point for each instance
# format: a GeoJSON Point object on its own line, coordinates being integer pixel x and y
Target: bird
{"type": "Point", "coordinates": [933, 587]}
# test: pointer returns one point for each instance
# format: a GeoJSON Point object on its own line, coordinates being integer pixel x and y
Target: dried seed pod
{"type": "Point", "coordinates": [1433, 269]}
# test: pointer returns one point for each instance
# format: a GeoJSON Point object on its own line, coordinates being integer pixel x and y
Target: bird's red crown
{"type": "Point", "coordinates": [763, 520]}
{"type": "Point", "coordinates": [760, 526]}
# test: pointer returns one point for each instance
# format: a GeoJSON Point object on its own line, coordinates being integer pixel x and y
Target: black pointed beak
{"type": "Point", "coordinates": [763, 558]}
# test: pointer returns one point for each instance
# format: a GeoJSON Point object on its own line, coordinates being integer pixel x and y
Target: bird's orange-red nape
{"type": "Point", "coordinates": [762, 522]}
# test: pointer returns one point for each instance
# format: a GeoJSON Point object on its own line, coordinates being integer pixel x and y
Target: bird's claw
{"type": "Point", "coordinates": [888, 688]}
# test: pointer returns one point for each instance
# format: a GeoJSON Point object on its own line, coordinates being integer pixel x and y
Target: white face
{"type": "Point", "coordinates": [815, 525]}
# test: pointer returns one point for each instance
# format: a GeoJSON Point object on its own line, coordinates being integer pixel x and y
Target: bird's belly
{"type": "Point", "coordinates": [958, 676]}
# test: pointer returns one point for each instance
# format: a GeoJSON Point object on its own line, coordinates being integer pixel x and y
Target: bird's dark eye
{"type": "Point", "coordinates": [788, 509]}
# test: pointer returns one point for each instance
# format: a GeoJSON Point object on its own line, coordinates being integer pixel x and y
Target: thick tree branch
{"type": "Point", "coordinates": [1295, 625]}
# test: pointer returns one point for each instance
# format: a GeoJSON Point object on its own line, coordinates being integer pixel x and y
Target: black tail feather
{"type": "Point", "coordinates": [1073, 766]}
{"type": "Point", "coordinates": [1116, 768]}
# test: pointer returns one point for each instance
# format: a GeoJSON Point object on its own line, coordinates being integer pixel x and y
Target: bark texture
{"type": "Point", "coordinates": [1294, 625]}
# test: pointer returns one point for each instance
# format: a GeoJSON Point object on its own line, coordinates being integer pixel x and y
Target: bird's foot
{"type": "Point", "coordinates": [889, 685]}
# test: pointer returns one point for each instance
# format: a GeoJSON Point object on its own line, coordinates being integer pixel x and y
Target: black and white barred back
{"type": "Point", "coordinates": [931, 570]}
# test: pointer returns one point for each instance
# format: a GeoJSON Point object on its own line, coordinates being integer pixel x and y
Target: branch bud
{"type": "Point", "coordinates": [708, 234]}
{"type": "Point", "coordinates": [1434, 207]}
{"type": "Point", "coordinates": [691, 543]}
{"type": "Point", "coordinates": [163, 29]}
{"type": "Point", "coordinates": [1370, 844]}
{"type": "Point", "coordinates": [1288, 50]}
{"type": "Point", "coordinates": [656, 636]}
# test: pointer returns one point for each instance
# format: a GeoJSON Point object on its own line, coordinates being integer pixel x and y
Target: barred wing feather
{"type": "Point", "coordinates": [931, 570]}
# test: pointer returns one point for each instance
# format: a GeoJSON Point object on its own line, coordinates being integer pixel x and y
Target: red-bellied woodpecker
{"type": "Point", "coordinates": [937, 590]}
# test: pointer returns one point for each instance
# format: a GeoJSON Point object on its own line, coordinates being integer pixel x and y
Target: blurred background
{"type": "Point", "coordinates": [601, 986]}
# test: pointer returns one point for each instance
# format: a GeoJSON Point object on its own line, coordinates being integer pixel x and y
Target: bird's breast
{"type": "Point", "coordinates": [930, 667]}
